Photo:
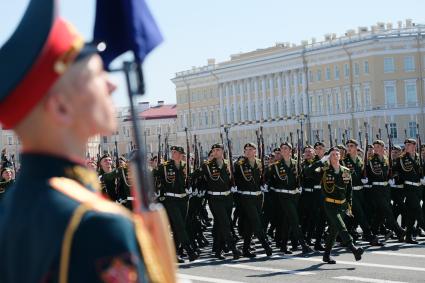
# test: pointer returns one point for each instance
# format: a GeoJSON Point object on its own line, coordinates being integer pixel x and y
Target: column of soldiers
{"type": "Point", "coordinates": [311, 197]}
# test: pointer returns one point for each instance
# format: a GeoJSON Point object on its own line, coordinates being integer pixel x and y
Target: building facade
{"type": "Point", "coordinates": [323, 89]}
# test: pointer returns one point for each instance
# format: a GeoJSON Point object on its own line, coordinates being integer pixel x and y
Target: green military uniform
{"type": "Point", "coordinates": [337, 191]}
{"type": "Point", "coordinates": [172, 179]}
{"type": "Point", "coordinates": [248, 181]}
{"type": "Point", "coordinates": [282, 179]}
{"type": "Point", "coordinates": [311, 204]}
{"type": "Point", "coordinates": [217, 180]}
{"type": "Point", "coordinates": [377, 173]}
{"type": "Point", "coordinates": [397, 194]}
{"type": "Point", "coordinates": [407, 168]}
{"type": "Point", "coordinates": [356, 167]}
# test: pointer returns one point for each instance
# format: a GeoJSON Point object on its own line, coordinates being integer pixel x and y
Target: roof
{"type": "Point", "coordinates": [160, 112]}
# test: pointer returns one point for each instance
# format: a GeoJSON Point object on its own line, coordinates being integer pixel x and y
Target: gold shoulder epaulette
{"type": "Point", "coordinates": [344, 168]}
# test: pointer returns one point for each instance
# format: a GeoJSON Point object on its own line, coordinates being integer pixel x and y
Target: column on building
{"type": "Point", "coordinates": [248, 98]}
{"type": "Point", "coordinates": [220, 93]}
{"type": "Point", "coordinates": [296, 94]}
{"type": "Point", "coordinates": [279, 95]}
{"type": "Point", "coordinates": [264, 96]}
{"type": "Point", "coordinates": [241, 86]}
{"type": "Point", "coordinates": [272, 102]}
{"type": "Point", "coordinates": [304, 94]}
{"type": "Point", "coordinates": [235, 103]}
{"type": "Point", "coordinates": [288, 94]}
{"type": "Point", "coordinates": [257, 100]}
{"type": "Point", "coordinates": [228, 103]}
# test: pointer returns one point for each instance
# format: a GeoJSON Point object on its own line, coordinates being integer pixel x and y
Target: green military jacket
{"type": "Point", "coordinates": [407, 168]}
{"type": "Point", "coordinates": [356, 169]}
{"type": "Point", "coordinates": [247, 177]}
{"type": "Point", "coordinates": [337, 185]}
{"type": "Point", "coordinates": [282, 176]}
{"type": "Point", "coordinates": [216, 179]}
{"type": "Point", "coordinates": [377, 169]}
{"type": "Point", "coordinates": [310, 180]}
{"type": "Point", "coordinates": [172, 179]}
{"type": "Point", "coordinates": [108, 183]}
{"type": "Point", "coordinates": [4, 186]}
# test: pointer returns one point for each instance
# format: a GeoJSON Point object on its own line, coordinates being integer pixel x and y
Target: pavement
{"type": "Point", "coordinates": [395, 262]}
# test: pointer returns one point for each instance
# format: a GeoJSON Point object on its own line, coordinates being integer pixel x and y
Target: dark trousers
{"type": "Point", "coordinates": [309, 211]}
{"type": "Point", "coordinates": [399, 205]}
{"type": "Point", "coordinates": [335, 214]}
{"type": "Point", "coordinates": [177, 210]}
{"type": "Point", "coordinates": [221, 209]}
{"type": "Point", "coordinates": [289, 204]}
{"type": "Point", "coordinates": [359, 212]}
{"type": "Point", "coordinates": [251, 216]}
{"type": "Point", "coordinates": [414, 211]}
{"type": "Point", "coordinates": [382, 206]}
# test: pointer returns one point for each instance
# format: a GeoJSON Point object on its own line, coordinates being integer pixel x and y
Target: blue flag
{"type": "Point", "coordinates": [125, 25]}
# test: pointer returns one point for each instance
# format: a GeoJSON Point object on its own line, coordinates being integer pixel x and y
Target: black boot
{"type": "Point", "coordinates": [357, 252]}
{"type": "Point", "coordinates": [179, 259]}
{"type": "Point", "coordinates": [305, 248]}
{"type": "Point", "coordinates": [246, 249]}
{"type": "Point", "coordinates": [266, 247]}
{"type": "Point", "coordinates": [219, 255]}
{"type": "Point", "coordinates": [401, 233]}
{"type": "Point", "coordinates": [318, 246]}
{"type": "Point", "coordinates": [236, 253]}
{"type": "Point", "coordinates": [327, 257]}
{"type": "Point", "coordinates": [191, 253]}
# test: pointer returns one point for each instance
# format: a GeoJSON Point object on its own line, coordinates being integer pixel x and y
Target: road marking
{"type": "Point", "coordinates": [400, 267]}
{"type": "Point", "coordinates": [363, 279]}
{"type": "Point", "coordinates": [397, 254]}
{"type": "Point", "coordinates": [258, 268]}
{"type": "Point", "coordinates": [204, 279]}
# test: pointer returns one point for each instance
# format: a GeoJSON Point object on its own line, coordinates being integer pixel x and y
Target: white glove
{"type": "Point", "coordinates": [233, 189]}
{"type": "Point", "coordinates": [391, 182]}
{"type": "Point", "coordinates": [365, 181]}
{"type": "Point", "coordinates": [423, 181]}
{"type": "Point", "coordinates": [324, 158]}
{"type": "Point", "coordinates": [264, 188]}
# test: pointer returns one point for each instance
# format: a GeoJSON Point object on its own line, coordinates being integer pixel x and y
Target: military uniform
{"type": "Point", "coordinates": [407, 169]}
{"type": "Point", "coordinates": [248, 182]}
{"type": "Point", "coordinates": [218, 192]}
{"type": "Point", "coordinates": [87, 245]}
{"type": "Point", "coordinates": [282, 180]}
{"type": "Point", "coordinates": [377, 173]}
{"type": "Point", "coordinates": [4, 187]}
{"type": "Point", "coordinates": [172, 178]}
{"type": "Point", "coordinates": [337, 191]}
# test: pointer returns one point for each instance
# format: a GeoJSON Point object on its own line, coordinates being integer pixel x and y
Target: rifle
{"type": "Point", "coordinates": [405, 133]}
{"type": "Point", "coordinates": [229, 147]}
{"type": "Point", "coordinates": [299, 158]}
{"type": "Point", "coordinates": [343, 137]}
{"type": "Point", "coordinates": [187, 183]}
{"type": "Point", "coordinates": [263, 167]}
{"type": "Point", "coordinates": [366, 135]}
{"type": "Point", "coordinates": [330, 135]}
{"type": "Point", "coordinates": [418, 137]}
{"type": "Point", "coordinates": [159, 149]}
{"type": "Point", "coordinates": [117, 159]}
{"type": "Point", "coordinates": [222, 142]}
{"type": "Point", "coordinates": [12, 158]}
{"type": "Point", "coordinates": [292, 143]}
{"type": "Point", "coordinates": [166, 147]}
{"type": "Point", "coordinates": [317, 137]}
{"type": "Point", "coordinates": [196, 153]}
{"type": "Point", "coordinates": [360, 139]}
{"type": "Point", "coordinates": [380, 133]}
{"type": "Point", "coordinates": [98, 154]}
{"type": "Point", "coordinates": [257, 134]}
{"type": "Point", "coordinates": [390, 145]}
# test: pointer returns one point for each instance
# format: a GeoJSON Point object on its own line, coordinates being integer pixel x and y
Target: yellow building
{"type": "Point", "coordinates": [372, 75]}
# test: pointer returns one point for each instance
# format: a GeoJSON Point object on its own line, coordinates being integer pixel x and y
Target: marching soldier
{"type": "Point", "coordinates": [216, 174]}
{"type": "Point", "coordinates": [283, 180]}
{"type": "Point", "coordinates": [397, 189]}
{"type": "Point", "coordinates": [353, 162]}
{"type": "Point", "coordinates": [377, 175]}
{"type": "Point", "coordinates": [248, 181]}
{"type": "Point", "coordinates": [172, 177]}
{"type": "Point", "coordinates": [408, 169]}
{"type": "Point", "coordinates": [107, 177]}
{"type": "Point", "coordinates": [336, 181]}
{"type": "Point", "coordinates": [311, 200]}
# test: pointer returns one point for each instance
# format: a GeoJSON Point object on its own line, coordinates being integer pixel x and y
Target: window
{"type": "Point", "coordinates": [337, 100]}
{"type": "Point", "coordinates": [357, 98]}
{"type": "Point", "coordinates": [319, 75]}
{"type": "Point", "coordinates": [105, 139]}
{"type": "Point", "coordinates": [320, 104]}
{"type": "Point", "coordinates": [328, 73]}
{"type": "Point", "coordinates": [367, 97]}
{"type": "Point", "coordinates": [410, 93]}
{"type": "Point", "coordinates": [212, 118]}
{"type": "Point", "coordinates": [389, 65]}
{"type": "Point", "coordinates": [310, 76]}
{"type": "Point", "coordinates": [393, 130]}
{"type": "Point", "coordinates": [346, 71]}
{"type": "Point", "coordinates": [206, 119]}
{"type": "Point", "coordinates": [330, 103]}
{"type": "Point", "coordinates": [310, 104]}
{"type": "Point", "coordinates": [366, 67]}
{"type": "Point", "coordinates": [356, 69]}
{"type": "Point", "coordinates": [390, 94]}
{"type": "Point", "coordinates": [347, 96]}
{"type": "Point", "coordinates": [336, 72]}
{"type": "Point", "coordinates": [409, 64]}
{"type": "Point", "coordinates": [10, 140]}
{"type": "Point", "coordinates": [412, 129]}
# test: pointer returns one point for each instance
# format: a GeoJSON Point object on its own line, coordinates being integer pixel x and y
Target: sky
{"type": "Point", "coordinates": [195, 30]}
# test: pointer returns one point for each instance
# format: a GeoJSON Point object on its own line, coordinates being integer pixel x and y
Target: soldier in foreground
{"type": "Point", "coordinates": [337, 192]}
{"type": "Point", "coordinates": [77, 239]}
